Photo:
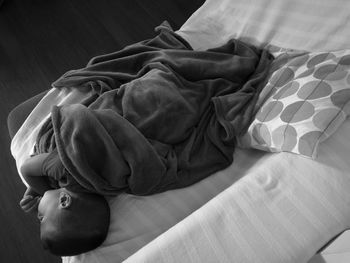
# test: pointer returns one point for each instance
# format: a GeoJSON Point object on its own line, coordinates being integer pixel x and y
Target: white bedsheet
{"type": "Point", "coordinates": [317, 25]}
{"type": "Point", "coordinates": [283, 210]}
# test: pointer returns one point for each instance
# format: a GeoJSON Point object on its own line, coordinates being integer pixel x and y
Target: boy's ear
{"type": "Point", "coordinates": [65, 200]}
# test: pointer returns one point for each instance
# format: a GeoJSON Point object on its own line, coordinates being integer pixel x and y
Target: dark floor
{"type": "Point", "coordinates": [39, 41]}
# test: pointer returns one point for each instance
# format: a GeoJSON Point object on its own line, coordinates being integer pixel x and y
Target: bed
{"type": "Point", "coordinates": [282, 199]}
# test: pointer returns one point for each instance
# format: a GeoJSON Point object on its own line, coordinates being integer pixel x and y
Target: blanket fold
{"type": "Point", "coordinates": [164, 117]}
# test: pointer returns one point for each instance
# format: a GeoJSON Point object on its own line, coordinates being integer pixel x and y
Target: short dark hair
{"type": "Point", "coordinates": [74, 233]}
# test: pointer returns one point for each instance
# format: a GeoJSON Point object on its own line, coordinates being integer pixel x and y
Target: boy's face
{"type": "Point", "coordinates": [50, 206]}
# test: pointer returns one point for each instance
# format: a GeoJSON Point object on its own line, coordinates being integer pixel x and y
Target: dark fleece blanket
{"type": "Point", "coordinates": [164, 116]}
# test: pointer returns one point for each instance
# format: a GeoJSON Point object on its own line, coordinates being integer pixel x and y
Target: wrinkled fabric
{"type": "Point", "coordinates": [59, 177]}
{"type": "Point", "coordinates": [164, 116]}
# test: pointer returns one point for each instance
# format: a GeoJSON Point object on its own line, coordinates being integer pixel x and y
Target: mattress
{"type": "Point", "coordinates": [265, 207]}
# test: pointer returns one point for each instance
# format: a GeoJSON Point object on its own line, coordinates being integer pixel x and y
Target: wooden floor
{"type": "Point", "coordinates": [39, 41]}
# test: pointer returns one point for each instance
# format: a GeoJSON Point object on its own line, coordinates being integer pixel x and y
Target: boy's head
{"type": "Point", "coordinates": [72, 223]}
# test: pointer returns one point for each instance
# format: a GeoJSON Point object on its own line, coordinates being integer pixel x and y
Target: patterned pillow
{"type": "Point", "coordinates": [304, 102]}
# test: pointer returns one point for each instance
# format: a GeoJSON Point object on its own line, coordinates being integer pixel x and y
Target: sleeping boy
{"type": "Point", "coordinates": [165, 117]}
{"type": "Point", "coordinates": [71, 221]}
